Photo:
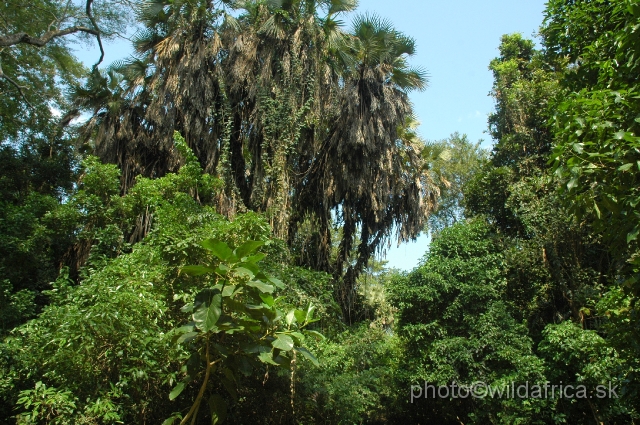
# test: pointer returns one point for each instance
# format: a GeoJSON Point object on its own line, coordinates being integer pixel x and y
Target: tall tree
{"type": "Point", "coordinates": [299, 118]}
{"type": "Point", "coordinates": [597, 157]}
{"type": "Point", "coordinates": [452, 164]}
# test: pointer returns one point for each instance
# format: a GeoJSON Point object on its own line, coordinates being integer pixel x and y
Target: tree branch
{"type": "Point", "coordinates": [97, 33]}
{"type": "Point", "coordinates": [16, 85]}
{"type": "Point", "coordinates": [23, 37]}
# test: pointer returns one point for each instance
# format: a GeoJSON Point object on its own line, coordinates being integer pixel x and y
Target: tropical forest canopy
{"type": "Point", "coordinates": [192, 235]}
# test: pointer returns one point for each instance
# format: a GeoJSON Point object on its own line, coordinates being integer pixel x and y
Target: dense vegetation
{"type": "Point", "coordinates": [191, 235]}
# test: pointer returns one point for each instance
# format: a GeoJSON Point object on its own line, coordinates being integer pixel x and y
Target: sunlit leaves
{"type": "Point", "coordinates": [262, 287]}
{"type": "Point", "coordinates": [239, 305]}
{"type": "Point", "coordinates": [283, 342]}
{"type": "Point", "coordinates": [196, 270]}
{"type": "Point", "coordinates": [219, 249]}
{"type": "Point", "coordinates": [176, 391]}
{"type": "Point", "coordinates": [307, 354]}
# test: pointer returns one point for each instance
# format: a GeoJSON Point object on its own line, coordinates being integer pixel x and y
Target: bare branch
{"type": "Point", "coordinates": [23, 37]}
{"type": "Point", "coordinates": [97, 34]}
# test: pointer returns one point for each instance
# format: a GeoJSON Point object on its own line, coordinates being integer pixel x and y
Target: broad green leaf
{"type": "Point", "coordinates": [267, 357]}
{"type": "Point", "coordinates": [573, 162]}
{"type": "Point", "coordinates": [245, 367]}
{"type": "Point", "coordinates": [255, 258]}
{"type": "Point", "coordinates": [276, 281]}
{"type": "Point", "coordinates": [625, 167]}
{"type": "Point", "coordinates": [242, 271]}
{"type": "Point", "coordinates": [228, 290]}
{"type": "Point", "coordinates": [290, 317]}
{"type": "Point", "coordinates": [283, 342]}
{"type": "Point", "coordinates": [578, 147]}
{"type": "Point", "coordinates": [222, 270]}
{"type": "Point", "coordinates": [250, 266]}
{"type": "Point", "coordinates": [197, 270]}
{"type": "Point", "coordinates": [224, 351]}
{"type": "Point", "coordinates": [306, 353]}
{"type": "Point", "coordinates": [298, 336]}
{"type": "Point", "coordinates": [204, 297]}
{"type": "Point", "coordinates": [176, 391]}
{"type": "Point", "coordinates": [230, 386]}
{"type": "Point", "coordinates": [267, 299]}
{"type": "Point", "coordinates": [300, 316]}
{"type": "Point", "coordinates": [190, 336]}
{"type": "Point", "coordinates": [282, 359]}
{"type": "Point", "coordinates": [208, 314]}
{"type": "Point", "coordinates": [261, 286]}
{"type": "Point", "coordinates": [310, 311]}
{"type": "Point", "coordinates": [219, 249]}
{"type": "Point", "coordinates": [317, 334]}
{"type": "Point", "coordinates": [253, 348]}
{"type": "Point", "coordinates": [193, 364]}
{"type": "Point", "coordinates": [185, 328]}
{"type": "Point", "coordinates": [229, 374]}
{"type": "Point", "coordinates": [247, 248]}
{"type": "Point", "coordinates": [572, 183]}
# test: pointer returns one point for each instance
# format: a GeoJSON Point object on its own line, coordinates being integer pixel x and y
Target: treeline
{"type": "Point", "coordinates": [199, 247]}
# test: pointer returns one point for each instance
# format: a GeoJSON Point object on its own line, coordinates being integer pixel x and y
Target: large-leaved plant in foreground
{"type": "Point", "coordinates": [236, 327]}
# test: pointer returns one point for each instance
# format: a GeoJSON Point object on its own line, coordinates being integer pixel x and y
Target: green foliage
{"type": "Point", "coordinates": [235, 326]}
{"type": "Point", "coordinates": [134, 295]}
{"type": "Point", "coordinates": [458, 326]}
{"type": "Point", "coordinates": [596, 37]}
{"type": "Point", "coordinates": [597, 159]}
{"type": "Point", "coordinates": [46, 405]}
{"type": "Point", "coordinates": [453, 162]}
{"type": "Point", "coordinates": [115, 329]}
{"type": "Point", "coordinates": [302, 127]}
{"type": "Point", "coordinates": [16, 306]}
{"type": "Point", "coordinates": [524, 88]}
{"type": "Point", "coordinates": [597, 152]}
{"type": "Point", "coordinates": [34, 177]}
{"type": "Point", "coordinates": [109, 330]}
{"type": "Point", "coordinates": [356, 381]}
{"type": "Point", "coordinates": [582, 357]}
{"type": "Point", "coordinates": [487, 193]}
{"type": "Point", "coordinates": [486, 302]}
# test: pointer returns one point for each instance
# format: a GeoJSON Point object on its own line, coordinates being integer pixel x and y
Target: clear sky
{"type": "Point", "coordinates": [456, 40]}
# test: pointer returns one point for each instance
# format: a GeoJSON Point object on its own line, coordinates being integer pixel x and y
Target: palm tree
{"type": "Point", "coordinates": [298, 117]}
{"type": "Point", "coordinates": [367, 172]}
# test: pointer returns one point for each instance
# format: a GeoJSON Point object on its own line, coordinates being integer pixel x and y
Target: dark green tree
{"type": "Point", "coordinates": [598, 149]}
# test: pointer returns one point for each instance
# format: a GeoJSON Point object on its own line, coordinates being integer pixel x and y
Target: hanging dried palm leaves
{"type": "Point", "coordinates": [299, 118]}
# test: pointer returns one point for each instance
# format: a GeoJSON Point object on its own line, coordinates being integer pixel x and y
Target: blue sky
{"type": "Point", "coordinates": [455, 41]}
